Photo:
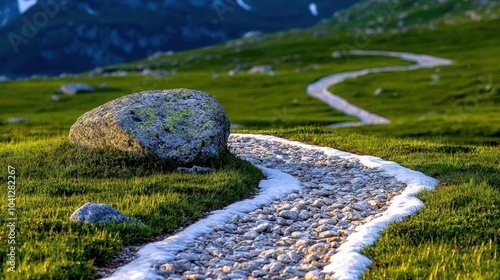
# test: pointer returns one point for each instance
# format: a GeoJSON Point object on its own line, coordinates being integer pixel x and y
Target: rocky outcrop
{"type": "Point", "coordinates": [181, 125]}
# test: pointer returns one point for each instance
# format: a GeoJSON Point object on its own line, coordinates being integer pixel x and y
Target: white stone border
{"type": "Point", "coordinates": [276, 185]}
{"type": "Point", "coordinates": [347, 263]}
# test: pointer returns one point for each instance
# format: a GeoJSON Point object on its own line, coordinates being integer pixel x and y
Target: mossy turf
{"type": "Point", "coordinates": [54, 178]}
{"type": "Point", "coordinates": [457, 234]}
{"type": "Point", "coordinates": [457, 103]}
{"type": "Point", "coordinates": [448, 129]}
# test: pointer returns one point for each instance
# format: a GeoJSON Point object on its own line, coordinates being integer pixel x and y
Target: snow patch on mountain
{"type": "Point", "coordinates": [90, 11]}
{"type": "Point", "coordinates": [244, 5]}
{"type": "Point", "coordinates": [313, 8]}
{"type": "Point", "coordinates": [24, 5]}
{"type": "Point", "coordinates": [3, 19]}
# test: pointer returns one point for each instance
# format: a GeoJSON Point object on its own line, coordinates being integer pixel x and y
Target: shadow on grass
{"type": "Point", "coordinates": [450, 174]}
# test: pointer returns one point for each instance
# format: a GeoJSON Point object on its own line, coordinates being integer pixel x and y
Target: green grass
{"type": "Point", "coordinates": [457, 234]}
{"type": "Point", "coordinates": [54, 178]}
{"type": "Point", "coordinates": [463, 244]}
{"type": "Point", "coordinates": [250, 100]}
{"type": "Point", "coordinates": [462, 106]}
{"type": "Point", "coordinates": [449, 130]}
{"type": "Point", "coordinates": [419, 15]}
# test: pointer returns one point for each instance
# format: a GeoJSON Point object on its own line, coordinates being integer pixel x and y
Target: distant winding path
{"type": "Point", "coordinates": [319, 89]}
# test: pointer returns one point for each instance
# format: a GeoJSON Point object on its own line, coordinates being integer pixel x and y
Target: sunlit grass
{"type": "Point", "coordinates": [448, 129]}
{"type": "Point", "coordinates": [54, 178]}
{"type": "Point", "coordinates": [457, 234]}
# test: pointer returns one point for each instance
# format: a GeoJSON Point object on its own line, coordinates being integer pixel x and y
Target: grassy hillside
{"type": "Point", "coordinates": [458, 104]}
{"type": "Point", "coordinates": [402, 15]}
{"type": "Point", "coordinates": [445, 123]}
{"type": "Point", "coordinates": [97, 33]}
{"type": "Point", "coordinates": [54, 178]}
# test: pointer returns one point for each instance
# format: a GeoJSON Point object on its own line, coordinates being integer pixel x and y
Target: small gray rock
{"type": "Point", "coordinates": [328, 234]}
{"type": "Point", "coordinates": [103, 86]}
{"type": "Point", "coordinates": [74, 88]}
{"type": "Point", "coordinates": [195, 170]}
{"type": "Point", "coordinates": [304, 215]}
{"type": "Point", "coordinates": [250, 235]}
{"type": "Point", "coordinates": [92, 213]}
{"type": "Point", "coordinates": [262, 227]}
{"type": "Point", "coordinates": [276, 267]}
{"type": "Point", "coordinates": [267, 69]}
{"type": "Point", "coordinates": [18, 120]}
{"type": "Point", "coordinates": [258, 273]}
{"type": "Point", "coordinates": [289, 215]}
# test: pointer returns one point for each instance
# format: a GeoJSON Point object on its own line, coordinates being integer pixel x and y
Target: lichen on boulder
{"type": "Point", "coordinates": [182, 125]}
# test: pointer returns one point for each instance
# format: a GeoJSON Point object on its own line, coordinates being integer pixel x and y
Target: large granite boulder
{"type": "Point", "coordinates": [92, 213]}
{"type": "Point", "coordinates": [181, 125]}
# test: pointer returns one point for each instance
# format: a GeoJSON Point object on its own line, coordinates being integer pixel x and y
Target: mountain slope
{"type": "Point", "coordinates": [403, 14]}
{"type": "Point", "coordinates": [8, 11]}
{"type": "Point", "coordinates": [52, 38]}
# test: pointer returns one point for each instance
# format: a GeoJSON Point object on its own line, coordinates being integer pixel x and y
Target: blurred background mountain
{"type": "Point", "coordinates": [50, 37]}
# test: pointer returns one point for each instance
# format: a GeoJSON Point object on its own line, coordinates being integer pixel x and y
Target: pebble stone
{"type": "Point", "coordinates": [291, 238]}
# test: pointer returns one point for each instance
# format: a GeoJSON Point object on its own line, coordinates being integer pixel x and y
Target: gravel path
{"type": "Point", "coordinates": [319, 89]}
{"type": "Point", "coordinates": [312, 216]}
{"type": "Point", "coordinates": [308, 222]}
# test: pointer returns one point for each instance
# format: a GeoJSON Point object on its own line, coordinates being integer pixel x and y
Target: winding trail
{"type": "Point", "coordinates": [315, 212]}
{"type": "Point", "coordinates": [312, 216]}
{"type": "Point", "coordinates": [319, 89]}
